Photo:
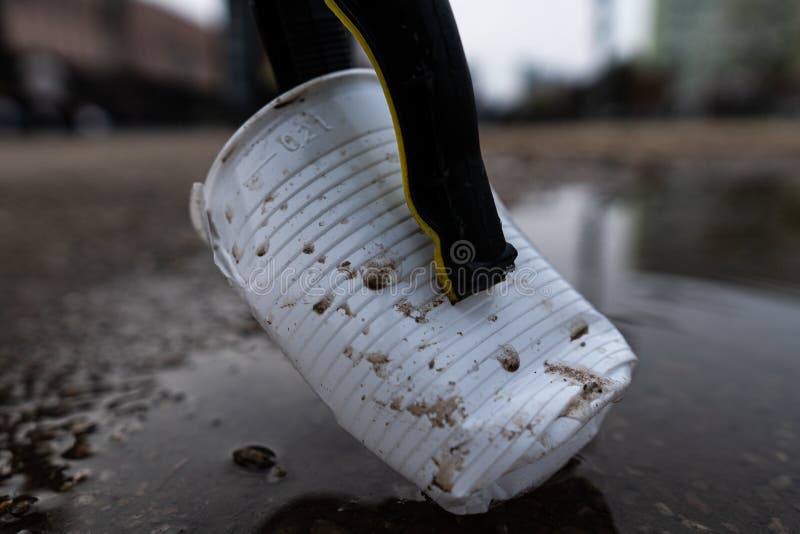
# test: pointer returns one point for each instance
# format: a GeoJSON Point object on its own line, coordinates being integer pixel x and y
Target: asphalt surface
{"type": "Point", "coordinates": [131, 373]}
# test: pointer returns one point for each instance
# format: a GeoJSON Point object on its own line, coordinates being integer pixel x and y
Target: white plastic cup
{"type": "Point", "coordinates": [474, 402]}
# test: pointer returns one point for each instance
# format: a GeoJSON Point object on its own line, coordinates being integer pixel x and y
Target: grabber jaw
{"type": "Point", "coordinates": [417, 54]}
{"type": "Point", "coordinates": [460, 275]}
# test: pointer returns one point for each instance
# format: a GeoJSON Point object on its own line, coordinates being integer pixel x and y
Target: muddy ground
{"type": "Point", "coordinates": [130, 373]}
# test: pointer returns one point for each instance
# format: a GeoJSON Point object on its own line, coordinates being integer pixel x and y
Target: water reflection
{"type": "Point", "coordinates": [566, 500]}
{"type": "Point", "coordinates": [748, 229]}
{"type": "Point", "coordinates": [737, 228]}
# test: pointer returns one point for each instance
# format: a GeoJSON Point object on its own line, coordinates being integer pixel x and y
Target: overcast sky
{"type": "Point", "coordinates": [503, 36]}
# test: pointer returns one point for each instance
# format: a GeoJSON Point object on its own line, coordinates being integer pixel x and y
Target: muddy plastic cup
{"type": "Point", "coordinates": [474, 402]}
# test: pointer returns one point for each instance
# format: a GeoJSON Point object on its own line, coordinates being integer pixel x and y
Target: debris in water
{"type": "Point", "coordinates": [5, 504]}
{"type": "Point", "coordinates": [17, 507]}
{"type": "Point", "coordinates": [80, 450]}
{"type": "Point", "coordinates": [308, 248]}
{"type": "Point", "coordinates": [74, 480]}
{"type": "Point", "coordinates": [279, 472]}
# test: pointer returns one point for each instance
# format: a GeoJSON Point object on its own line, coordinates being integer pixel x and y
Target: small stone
{"type": "Point", "coordinates": [693, 525]}
{"type": "Point", "coordinates": [21, 505]}
{"type": "Point", "coordinates": [781, 482]}
{"type": "Point", "coordinates": [279, 472]}
{"type": "Point", "coordinates": [664, 509]}
{"type": "Point", "coordinates": [79, 451]}
{"type": "Point", "coordinates": [72, 481]}
{"type": "Point", "coordinates": [254, 457]}
{"type": "Point", "coordinates": [777, 526]}
{"type": "Point", "coordinates": [80, 427]}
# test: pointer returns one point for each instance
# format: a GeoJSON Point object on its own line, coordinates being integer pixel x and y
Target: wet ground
{"type": "Point", "coordinates": [130, 374]}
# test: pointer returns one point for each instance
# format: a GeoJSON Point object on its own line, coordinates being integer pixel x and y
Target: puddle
{"type": "Point", "coordinates": [707, 434]}
{"type": "Point", "coordinates": [122, 404]}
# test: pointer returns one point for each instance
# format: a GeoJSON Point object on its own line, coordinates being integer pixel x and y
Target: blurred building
{"type": "Point", "coordinates": [118, 60]}
{"type": "Point", "coordinates": [710, 57]}
{"type": "Point", "coordinates": [730, 56]}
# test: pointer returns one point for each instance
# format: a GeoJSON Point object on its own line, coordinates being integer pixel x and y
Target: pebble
{"type": "Point", "coordinates": [776, 525]}
{"type": "Point", "coordinates": [21, 505]}
{"type": "Point", "coordinates": [664, 509]}
{"type": "Point", "coordinates": [254, 457]}
{"type": "Point", "coordinates": [781, 482]}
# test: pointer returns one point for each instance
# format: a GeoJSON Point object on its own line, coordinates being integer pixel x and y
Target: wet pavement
{"type": "Point", "coordinates": [137, 395]}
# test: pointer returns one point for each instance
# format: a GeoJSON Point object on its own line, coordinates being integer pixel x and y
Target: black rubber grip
{"type": "Point", "coordinates": [303, 40]}
{"type": "Point", "coordinates": [417, 50]}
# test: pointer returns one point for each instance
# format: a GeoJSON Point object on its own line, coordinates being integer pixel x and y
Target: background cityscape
{"type": "Point", "coordinates": [91, 65]}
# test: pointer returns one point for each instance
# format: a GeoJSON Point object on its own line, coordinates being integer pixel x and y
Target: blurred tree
{"type": "Point", "coordinates": [730, 55]}
{"type": "Point", "coordinates": [770, 42]}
